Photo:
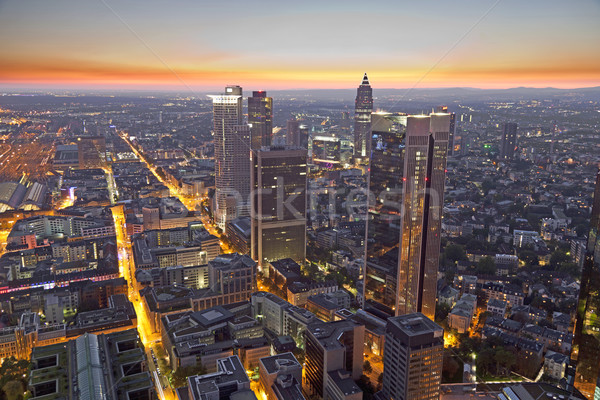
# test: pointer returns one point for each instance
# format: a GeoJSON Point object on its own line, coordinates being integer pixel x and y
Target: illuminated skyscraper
{"type": "Point", "coordinates": [232, 156]}
{"type": "Point", "coordinates": [406, 189]}
{"type": "Point", "coordinates": [260, 118]}
{"type": "Point", "coordinates": [278, 215]}
{"type": "Point", "coordinates": [509, 141]}
{"type": "Point", "coordinates": [412, 368]}
{"type": "Point", "coordinates": [586, 336]}
{"type": "Point", "coordinates": [451, 138]}
{"type": "Point", "coordinates": [363, 107]}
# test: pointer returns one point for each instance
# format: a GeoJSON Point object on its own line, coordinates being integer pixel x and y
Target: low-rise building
{"type": "Point", "coordinates": [555, 365]}
{"type": "Point", "coordinates": [448, 296]}
{"type": "Point", "coordinates": [112, 364]}
{"type": "Point", "coordinates": [462, 313]}
{"type": "Point", "coordinates": [512, 294]}
{"type": "Point", "coordinates": [227, 382]}
{"type": "Point", "coordinates": [299, 292]}
{"type": "Point", "coordinates": [281, 377]}
{"type": "Point", "coordinates": [325, 305]}
{"type": "Point", "coordinates": [496, 307]}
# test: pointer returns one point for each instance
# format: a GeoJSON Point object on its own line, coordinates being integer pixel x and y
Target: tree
{"type": "Point", "coordinates": [529, 257]}
{"type": "Point", "coordinates": [441, 311]}
{"type": "Point", "coordinates": [13, 370]}
{"type": "Point", "coordinates": [485, 359]}
{"type": "Point", "coordinates": [179, 377]}
{"type": "Point", "coordinates": [450, 366]}
{"type": "Point", "coordinates": [581, 230]}
{"type": "Point", "coordinates": [570, 268]}
{"type": "Point", "coordinates": [483, 316]}
{"type": "Point", "coordinates": [455, 252]}
{"type": "Point", "coordinates": [487, 185]}
{"type": "Point", "coordinates": [449, 275]}
{"type": "Point", "coordinates": [13, 390]}
{"type": "Point", "coordinates": [486, 266]}
{"type": "Point", "coordinates": [504, 358]}
{"type": "Point", "coordinates": [475, 244]}
{"type": "Point", "coordinates": [558, 257]}
{"type": "Point", "coordinates": [364, 383]}
{"type": "Point", "coordinates": [367, 367]}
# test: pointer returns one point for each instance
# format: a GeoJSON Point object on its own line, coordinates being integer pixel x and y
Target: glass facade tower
{"type": "Point", "coordinates": [586, 336]}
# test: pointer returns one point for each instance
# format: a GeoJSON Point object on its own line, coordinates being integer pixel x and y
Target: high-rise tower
{"type": "Point", "coordinates": [232, 156]}
{"type": "Point", "coordinates": [292, 132]}
{"type": "Point", "coordinates": [451, 138]}
{"type": "Point", "coordinates": [363, 107]}
{"type": "Point", "coordinates": [278, 217]}
{"type": "Point", "coordinates": [260, 118]}
{"type": "Point", "coordinates": [412, 368]}
{"type": "Point", "coordinates": [406, 189]}
{"type": "Point", "coordinates": [586, 335]}
{"type": "Point", "coordinates": [509, 141]}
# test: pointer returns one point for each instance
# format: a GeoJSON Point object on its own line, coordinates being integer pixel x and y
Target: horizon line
{"type": "Point", "coordinates": [165, 90]}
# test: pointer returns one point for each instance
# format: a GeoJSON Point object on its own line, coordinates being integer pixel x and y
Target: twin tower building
{"type": "Point", "coordinates": [404, 162]}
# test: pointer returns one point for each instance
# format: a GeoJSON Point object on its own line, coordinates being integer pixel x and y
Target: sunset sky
{"type": "Point", "coordinates": [203, 45]}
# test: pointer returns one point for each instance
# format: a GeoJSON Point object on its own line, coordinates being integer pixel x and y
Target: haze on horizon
{"type": "Point", "coordinates": [186, 44]}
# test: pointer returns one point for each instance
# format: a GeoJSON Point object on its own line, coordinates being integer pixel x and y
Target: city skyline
{"type": "Point", "coordinates": [209, 200]}
{"type": "Point", "coordinates": [164, 46]}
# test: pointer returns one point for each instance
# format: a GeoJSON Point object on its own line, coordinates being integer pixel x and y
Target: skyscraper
{"type": "Point", "coordinates": [260, 118]}
{"type": "Point", "coordinates": [406, 189]}
{"type": "Point", "coordinates": [451, 138]}
{"type": "Point", "coordinates": [586, 335]}
{"type": "Point", "coordinates": [331, 348]}
{"type": "Point", "coordinates": [232, 154]}
{"type": "Point", "coordinates": [363, 107]}
{"type": "Point", "coordinates": [509, 141]}
{"type": "Point", "coordinates": [292, 136]}
{"type": "Point", "coordinates": [414, 354]}
{"type": "Point", "coordinates": [278, 215]}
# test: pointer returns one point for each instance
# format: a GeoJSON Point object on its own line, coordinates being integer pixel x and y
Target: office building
{"type": "Point", "coordinates": [508, 144]}
{"type": "Point", "coordinates": [91, 151]}
{"type": "Point", "coordinates": [363, 107]}
{"type": "Point", "coordinates": [292, 137]}
{"type": "Point", "coordinates": [279, 205]}
{"type": "Point", "coordinates": [233, 276]}
{"type": "Point", "coordinates": [232, 149]}
{"type": "Point", "coordinates": [535, 391]}
{"type": "Point", "coordinates": [111, 366]}
{"type": "Point", "coordinates": [452, 149]}
{"type": "Point", "coordinates": [586, 335]}
{"type": "Point", "coordinates": [406, 189]}
{"type": "Point", "coordinates": [281, 377]}
{"type": "Point", "coordinates": [260, 118]}
{"type": "Point", "coordinates": [228, 382]}
{"type": "Point", "coordinates": [334, 357]}
{"type": "Point", "coordinates": [238, 233]}
{"type": "Point", "coordinates": [414, 353]}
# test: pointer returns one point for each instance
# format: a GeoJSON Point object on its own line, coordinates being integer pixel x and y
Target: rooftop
{"type": "Point", "coordinates": [272, 364]}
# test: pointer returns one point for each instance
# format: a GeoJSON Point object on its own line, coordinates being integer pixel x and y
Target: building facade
{"type": "Point", "coordinates": [260, 118]}
{"type": "Point", "coordinates": [331, 347]}
{"type": "Point", "coordinates": [278, 217]}
{"type": "Point", "coordinates": [586, 336]}
{"type": "Point", "coordinates": [406, 189]}
{"type": "Point", "coordinates": [509, 141]}
{"type": "Point", "coordinates": [363, 107]}
{"type": "Point", "coordinates": [232, 150]}
{"type": "Point", "coordinates": [414, 353]}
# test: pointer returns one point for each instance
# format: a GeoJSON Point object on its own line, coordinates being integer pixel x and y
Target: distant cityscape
{"type": "Point", "coordinates": [294, 245]}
